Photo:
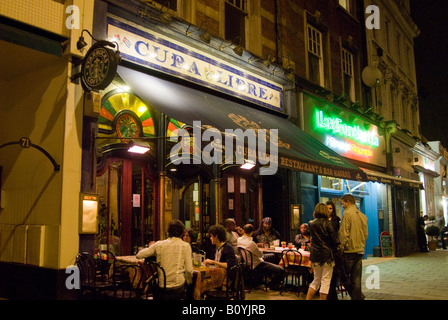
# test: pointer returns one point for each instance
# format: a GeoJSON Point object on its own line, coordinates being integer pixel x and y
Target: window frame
{"type": "Point", "coordinates": [243, 14]}
{"type": "Point", "coordinates": [348, 69]}
{"type": "Point", "coordinates": [319, 55]}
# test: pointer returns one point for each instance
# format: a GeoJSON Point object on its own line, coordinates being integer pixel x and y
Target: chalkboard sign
{"type": "Point", "coordinates": [387, 249]}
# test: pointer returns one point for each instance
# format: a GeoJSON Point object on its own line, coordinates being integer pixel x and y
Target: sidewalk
{"type": "Point", "coordinates": [420, 276]}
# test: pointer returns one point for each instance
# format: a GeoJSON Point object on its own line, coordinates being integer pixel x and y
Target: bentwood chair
{"type": "Point", "coordinates": [247, 266]}
{"type": "Point", "coordinates": [234, 288]}
{"type": "Point", "coordinates": [93, 285]}
{"type": "Point", "coordinates": [295, 273]}
{"type": "Point", "coordinates": [128, 279]}
{"type": "Point", "coordinates": [155, 282]}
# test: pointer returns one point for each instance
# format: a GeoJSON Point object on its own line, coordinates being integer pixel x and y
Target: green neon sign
{"type": "Point", "coordinates": [338, 127]}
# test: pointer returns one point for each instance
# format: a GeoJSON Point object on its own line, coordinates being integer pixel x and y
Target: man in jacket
{"type": "Point", "coordinates": [352, 235]}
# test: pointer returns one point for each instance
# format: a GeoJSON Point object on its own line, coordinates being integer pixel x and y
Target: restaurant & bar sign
{"type": "Point", "coordinates": [153, 50]}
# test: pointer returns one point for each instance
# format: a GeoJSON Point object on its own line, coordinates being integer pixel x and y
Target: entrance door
{"type": "Point", "coordinates": [126, 221]}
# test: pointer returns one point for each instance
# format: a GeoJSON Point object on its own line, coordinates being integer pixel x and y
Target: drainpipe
{"type": "Point", "coordinates": [278, 30]}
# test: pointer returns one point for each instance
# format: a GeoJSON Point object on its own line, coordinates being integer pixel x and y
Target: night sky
{"type": "Point", "coordinates": [431, 60]}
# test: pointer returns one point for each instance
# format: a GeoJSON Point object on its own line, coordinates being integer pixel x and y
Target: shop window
{"type": "Point", "coordinates": [235, 21]}
{"type": "Point", "coordinates": [331, 183]}
{"type": "Point", "coordinates": [356, 187]}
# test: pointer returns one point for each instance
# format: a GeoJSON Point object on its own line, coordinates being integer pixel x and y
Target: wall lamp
{"type": "Point", "coordinates": [235, 42]}
{"type": "Point", "coordinates": [267, 61]}
{"type": "Point", "coordinates": [290, 73]}
{"type": "Point", "coordinates": [342, 98]}
{"type": "Point", "coordinates": [81, 43]}
{"type": "Point", "coordinates": [164, 17]}
{"type": "Point", "coordinates": [204, 36]}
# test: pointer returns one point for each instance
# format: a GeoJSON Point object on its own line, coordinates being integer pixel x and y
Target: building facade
{"type": "Point", "coordinates": [206, 86]}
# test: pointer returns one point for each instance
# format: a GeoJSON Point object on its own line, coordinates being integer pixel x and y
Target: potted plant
{"type": "Point", "coordinates": [433, 233]}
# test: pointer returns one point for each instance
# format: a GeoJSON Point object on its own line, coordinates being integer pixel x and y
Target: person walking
{"type": "Point", "coordinates": [440, 222]}
{"type": "Point", "coordinates": [324, 244]}
{"type": "Point", "coordinates": [335, 279]}
{"type": "Point", "coordinates": [422, 242]}
{"type": "Point", "coordinates": [352, 235]}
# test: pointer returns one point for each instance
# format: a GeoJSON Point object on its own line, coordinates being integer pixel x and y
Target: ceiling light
{"type": "Point", "coordinates": [139, 147]}
{"type": "Point", "coordinates": [248, 165]}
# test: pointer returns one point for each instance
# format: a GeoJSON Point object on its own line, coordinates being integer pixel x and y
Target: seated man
{"type": "Point", "coordinates": [224, 253]}
{"type": "Point", "coordinates": [174, 256]}
{"type": "Point", "coordinates": [261, 268]}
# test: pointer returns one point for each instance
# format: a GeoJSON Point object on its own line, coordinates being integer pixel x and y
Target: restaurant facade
{"type": "Point", "coordinates": [201, 108]}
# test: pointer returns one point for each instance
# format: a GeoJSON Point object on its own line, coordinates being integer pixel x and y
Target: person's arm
{"type": "Point", "coordinates": [344, 230]}
{"type": "Point", "coordinates": [188, 265]}
{"type": "Point", "coordinates": [147, 252]}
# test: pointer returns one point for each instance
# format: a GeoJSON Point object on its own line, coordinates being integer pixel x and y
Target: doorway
{"type": "Point", "coordinates": [126, 219]}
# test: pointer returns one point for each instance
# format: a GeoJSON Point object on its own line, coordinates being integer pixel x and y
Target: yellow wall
{"type": "Point", "coordinates": [39, 213]}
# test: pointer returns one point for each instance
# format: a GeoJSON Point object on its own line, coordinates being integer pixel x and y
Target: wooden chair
{"type": "Point", "coordinates": [155, 282]}
{"type": "Point", "coordinates": [128, 279]}
{"type": "Point", "coordinates": [247, 266]}
{"type": "Point", "coordinates": [234, 287]}
{"type": "Point", "coordinates": [93, 284]}
{"type": "Point", "coordinates": [292, 260]}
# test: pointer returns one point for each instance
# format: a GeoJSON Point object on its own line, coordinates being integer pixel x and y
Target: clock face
{"type": "Point", "coordinates": [126, 126]}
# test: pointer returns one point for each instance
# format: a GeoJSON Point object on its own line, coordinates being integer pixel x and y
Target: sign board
{"type": "Point", "coordinates": [99, 66]}
{"type": "Point", "coordinates": [150, 49]}
{"type": "Point", "coordinates": [387, 249]}
{"type": "Point", "coordinates": [88, 213]}
{"type": "Point", "coordinates": [345, 133]}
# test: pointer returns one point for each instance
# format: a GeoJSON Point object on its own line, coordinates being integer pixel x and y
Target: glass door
{"type": "Point", "coordinates": [126, 218]}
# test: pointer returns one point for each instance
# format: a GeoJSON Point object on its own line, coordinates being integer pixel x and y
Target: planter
{"type": "Point", "coordinates": [432, 245]}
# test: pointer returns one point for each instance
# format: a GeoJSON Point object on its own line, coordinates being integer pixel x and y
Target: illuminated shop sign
{"type": "Point", "coordinates": [343, 132]}
{"type": "Point", "coordinates": [153, 50]}
{"type": "Point", "coordinates": [337, 127]}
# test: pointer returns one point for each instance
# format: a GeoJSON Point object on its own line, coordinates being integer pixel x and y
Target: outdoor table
{"type": "Point", "coordinates": [305, 259]}
{"type": "Point", "coordinates": [279, 251]}
{"type": "Point", "coordinates": [129, 260]}
{"type": "Point", "coordinates": [207, 278]}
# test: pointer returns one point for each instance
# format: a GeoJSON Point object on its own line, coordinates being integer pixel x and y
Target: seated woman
{"type": "Point", "coordinates": [224, 253]}
{"type": "Point", "coordinates": [189, 237]}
